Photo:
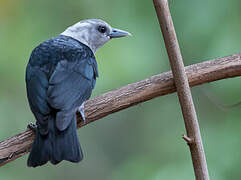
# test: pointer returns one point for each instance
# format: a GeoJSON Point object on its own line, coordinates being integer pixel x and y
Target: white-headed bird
{"type": "Point", "coordinates": [60, 77]}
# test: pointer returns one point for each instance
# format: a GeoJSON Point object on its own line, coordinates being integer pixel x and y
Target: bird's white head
{"type": "Point", "coordinates": [94, 33]}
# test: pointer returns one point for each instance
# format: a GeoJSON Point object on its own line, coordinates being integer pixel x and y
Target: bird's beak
{"type": "Point", "coordinates": [117, 33]}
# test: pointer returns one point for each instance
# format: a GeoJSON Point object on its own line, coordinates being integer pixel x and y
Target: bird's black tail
{"type": "Point", "coordinates": [56, 145]}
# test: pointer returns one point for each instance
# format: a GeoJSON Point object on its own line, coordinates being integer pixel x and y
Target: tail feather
{"type": "Point", "coordinates": [41, 150]}
{"type": "Point", "coordinates": [66, 145]}
{"type": "Point", "coordinates": [56, 145]}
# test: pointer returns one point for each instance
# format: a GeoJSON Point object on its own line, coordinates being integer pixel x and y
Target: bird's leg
{"type": "Point", "coordinates": [82, 111]}
{"type": "Point", "coordinates": [32, 127]}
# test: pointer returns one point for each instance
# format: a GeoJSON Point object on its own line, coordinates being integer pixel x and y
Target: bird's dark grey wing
{"type": "Point", "coordinates": [70, 85]}
{"type": "Point", "coordinates": [37, 84]}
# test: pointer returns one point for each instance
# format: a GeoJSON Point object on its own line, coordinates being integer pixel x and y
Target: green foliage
{"type": "Point", "coordinates": [143, 142]}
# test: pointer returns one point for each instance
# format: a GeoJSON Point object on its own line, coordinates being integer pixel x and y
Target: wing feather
{"type": "Point", "coordinates": [70, 85]}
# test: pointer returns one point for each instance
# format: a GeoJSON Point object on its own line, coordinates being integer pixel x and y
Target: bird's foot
{"type": "Point", "coordinates": [32, 127]}
{"type": "Point", "coordinates": [82, 112]}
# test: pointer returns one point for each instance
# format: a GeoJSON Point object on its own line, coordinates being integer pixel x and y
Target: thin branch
{"type": "Point", "coordinates": [183, 90]}
{"type": "Point", "coordinates": [130, 95]}
{"type": "Point", "coordinates": [187, 139]}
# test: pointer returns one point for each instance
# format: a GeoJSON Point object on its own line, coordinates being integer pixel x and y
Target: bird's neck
{"type": "Point", "coordinates": [81, 37]}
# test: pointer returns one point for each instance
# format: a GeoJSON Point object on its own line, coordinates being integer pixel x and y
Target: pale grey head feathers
{"type": "Point", "coordinates": [94, 33]}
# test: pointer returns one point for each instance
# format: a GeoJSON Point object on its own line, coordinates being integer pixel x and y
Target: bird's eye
{"type": "Point", "coordinates": [102, 29]}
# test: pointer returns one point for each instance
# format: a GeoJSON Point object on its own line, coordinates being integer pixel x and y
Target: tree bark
{"type": "Point", "coordinates": [130, 95]}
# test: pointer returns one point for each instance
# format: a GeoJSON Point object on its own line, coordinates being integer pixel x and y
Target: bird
{"type": "Point", "coordinates": [60, 76]}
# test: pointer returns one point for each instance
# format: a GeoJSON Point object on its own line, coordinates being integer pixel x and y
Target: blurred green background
{"type": "Point", "coordinates": [143, 142]}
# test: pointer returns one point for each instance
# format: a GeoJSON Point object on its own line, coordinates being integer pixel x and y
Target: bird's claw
{"type": "Point", "coordinates": [32, 127]}
{"type": "Point", "coordinates": [82, 112]}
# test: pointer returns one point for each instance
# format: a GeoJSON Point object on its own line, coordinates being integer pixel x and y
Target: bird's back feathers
{"type": "Point", "coordinates": [60, 76]}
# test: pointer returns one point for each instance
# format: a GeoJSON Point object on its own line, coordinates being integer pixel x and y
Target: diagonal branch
{"type": "Point", "coordinates": [130, 95]}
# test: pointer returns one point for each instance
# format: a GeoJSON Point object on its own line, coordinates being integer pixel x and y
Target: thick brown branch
{"type": "Point", "coordinates": [130, 95]}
